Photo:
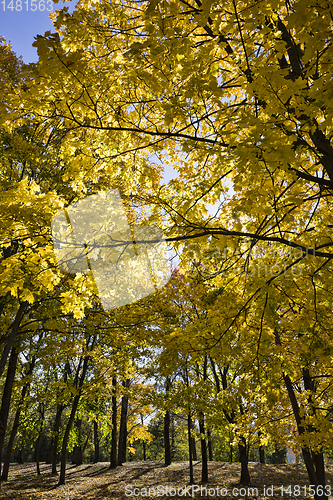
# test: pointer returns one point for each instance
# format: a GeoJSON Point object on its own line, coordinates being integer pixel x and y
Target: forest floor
{"type": "Point", "coordinates": [139, 480]}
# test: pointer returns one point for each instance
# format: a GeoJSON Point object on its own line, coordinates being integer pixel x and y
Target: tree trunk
{"type": "Point", "coordinates": [113, 457]}
{"type": "Point", "coordinates": [166, 428]}
{"type": "Point", "coordinates": [194, 446]}
{"type": "Point", "coordinates": [77, 455]}
{"type": "Point", "coordinates": [16, 422]}
{"type": "Point", "coordinates": [190, 446]}
{"type": "Point", "coordinates": [21, 455]}
{"type": "Point", "coordinates": [262, 455]}
{"type": "Point", "coordinates": [313, 461]}
{"type": "Point", "coordinates": [166, 433]}
{"type": "Point", "coordinates": [204, 469]}
{"type": "Point", "coordinates": [244, 460]}
{"type": "Point", "coordinates": [38, 453]}
{"type": "Point", "coordinates": [96, 443]}
{"type": "Point", "coordinates": [123, 427]}
{"type": "Point", "coordinates": [6, 397]}
{"type": "Point", "coordinates": [71, 419]}
{"type": "Point", "coordinates": [261, 451]}
{"type": "Point", "coordinates": [316, 475]}
{"type": "Point", "coordinates": [210, 446]}
{"type": "Point", "coordinates": [55, 438]}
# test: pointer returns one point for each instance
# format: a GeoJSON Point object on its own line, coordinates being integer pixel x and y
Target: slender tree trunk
{"type": "Point", "coordinates": [77, 457]}
{"type": "Point", "coordinates": [313, 461]}
{"type": "Point", "coordinates": [244, 460]}
{"type": "Point", "coordinates": [261, 451]}
{"type": "Point", "coordinates": [313, 474]}
{"type": "Point", "coordinates": [55, 438]}
{"type": "Point", "coordinates": [42, 413]}
{"type": "Point", "coordinates": [71, 420]}
{"type": "Point", "coordinates": [204, 470]}
{"type": "Point", "coordinates": [38, 453]}
{"type": "Point", "coordinates": [21, 455]}
{"type": "Point", "coordinates": [231, 448]}
{"type": "Point", "coordinates": [190, 445]}
{"type": "Point", "coordinates": [16, 422]}
{"type": "Point", "coordinates": [96, 443]}
{"type": "Point", "coordinates": [6, 397]}
{"type": "Point", "coordinates": [262, 455]}
{"type": "Point", "coordinates": [166, 433]}
{"type": "Point", "coordinates": [123, 427]}
{"type": "Point", "coordinates": [172, 435]}
{"type": "Point", "coordinates": [113, 457]}
{"type": "Point", "coordinates": [194, 446]}
{"type": "Point", "coordinates": [210, 446]}
{"type": "Point", "coordinates": [166, 429]}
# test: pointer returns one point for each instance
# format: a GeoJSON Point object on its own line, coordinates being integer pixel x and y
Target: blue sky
{"type": "Point", "coordinates": [21, 26]}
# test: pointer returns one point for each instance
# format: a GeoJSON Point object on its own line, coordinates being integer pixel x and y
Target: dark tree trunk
{"type": "Point", "coordinates": [113, 457]}
{"type": "Point", "coordinates": [71, 420]}
{"type": "Point", "coordinates": [262, 455]}
{"type": "Point", "coordinates": [21, 455]}
{"type": "Point", "coordinates": [38, 453]}
{"type": "Point", "coordinates": [16, 422]}
{"type": "Point", "coordinates": [204, 470]}
{"type": "Point", "coordinates": [190, 446]}
{"type": "Point", "coordinates": [77, 455]}
{"type": "Point", "coordinates": [231, 448]}
{"type": "Point", "coordinates": [210, 446]}
{"type": "Point", "coordinates": [261, 451]}
{"type": "Point", "coordinates": [96, 443]}
{"type": "Point", "coordinates": [6, 397]}
{"type": "Point", "coordinates": [123, 427]}
{"type": "Point", "coordinates": [166, 432]}
{"type": "Point", "coordinates": [314, 462]}
{"type": "Point", "coordinates": [166, 429]}
{"type": "Point", "coordinates": [55, 438]}
{"type": "Point", "coordinates": [244, 460]}
{"type": "Point", "coordinates": [194, 446]}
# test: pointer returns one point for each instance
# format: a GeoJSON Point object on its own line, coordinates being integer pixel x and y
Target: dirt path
{"type": "Point", "coordinates": [138, 480]}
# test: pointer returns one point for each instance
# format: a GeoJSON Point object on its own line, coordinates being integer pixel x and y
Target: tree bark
{"type": "Point", "coordinates": [166, 435]}
{"type": "Point", "coordinates": [96, 442]}
{"type": "Point", "coordinates": [262, 455]}
{"type": "Point", "coordinates": [6, 397]}
{"type": "Point", "coordinates": [56, 426]}
{"type": "Point", "coordinates": [55, 438]}
{"type": "Point", "coordinates": [166, 429]}
{"type": "Point", "coordinates": [16, 422]}
{"type": "Point", "coordinates": [261, 451]}
{"type": "Point", "coordinates": [244, 460]}
{"type": "Point", "coordinates": [190, 445]}
{"type": "Point", "coordinates": [123, 427]}
{"type": "Point", "coordinates": [210, 445]}
{"type": "Point", "coordinates": [313, 461]}
{"type": "Point", "coordinates": [113, 457]}
{"type": "Point", "coordinates": [204, 469]}
{"type": "Point", "coordinates": [71, 419]}
{"type": "Point", "coordinates": [194, 446]}
{"type": "Point", "coordinates": [77, 455]}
